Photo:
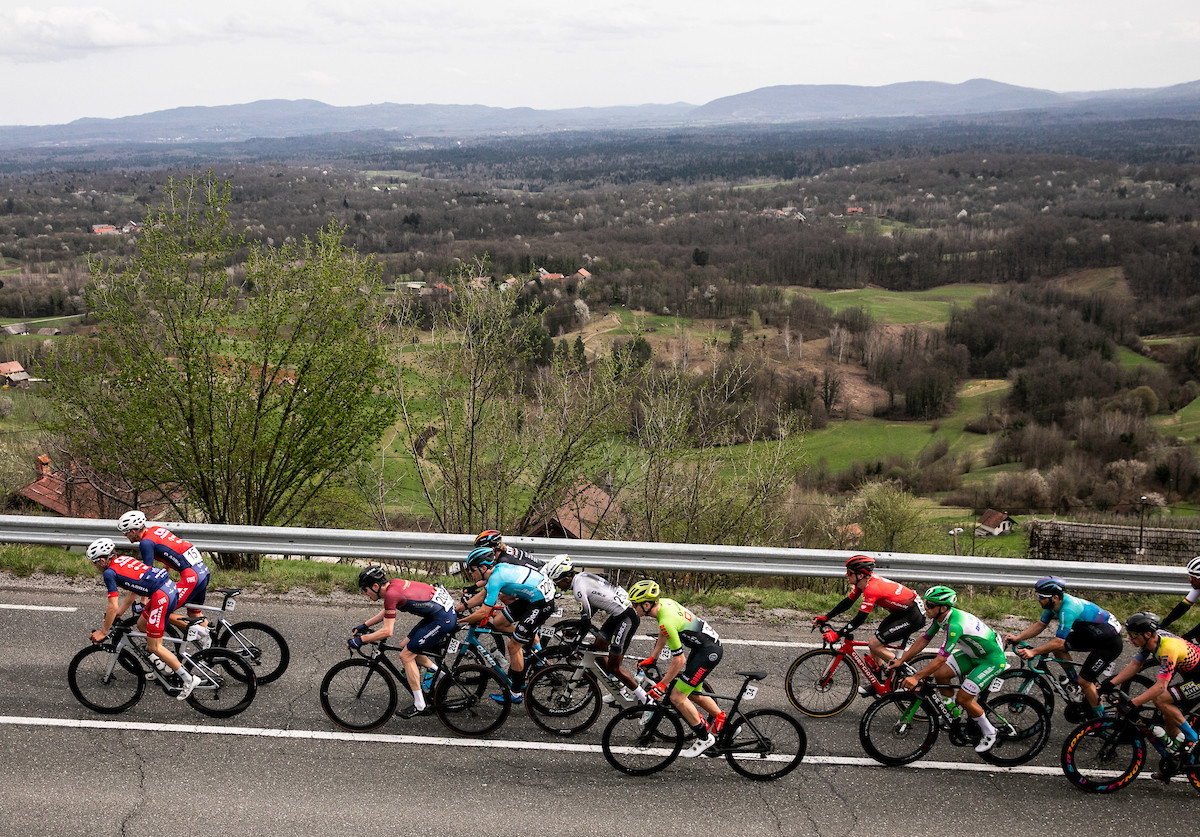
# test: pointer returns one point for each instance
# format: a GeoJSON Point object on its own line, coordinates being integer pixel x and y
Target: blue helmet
{"type": "Point", "coordinates": [1050, 586]}
{"type": "Point", "coordinates": [480, 557]}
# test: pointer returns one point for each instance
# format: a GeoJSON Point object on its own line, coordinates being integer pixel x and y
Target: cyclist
{"type": "Point", "coordinates": [596, 593]}
{"type": "Point", "coordinates": [179, 555]}
{"type": "Point", "coordinates": [503, 621]}
{"type": "Point", "coordinates": [1193, 571]}
{"type": "Point", "coordinates": [677, 627]}
{"type": "Point", "coordinates": [533, 602]}
{"type": "Point", "coordinates": [905, 611]}
{"type": "Point", "coordinates": [971, 650]}
{"type": "Point", "coordinates": [492, 539]}
{"type": "Point", "coordinates": [1174, 654]}
{"type": "Point", "coordinates": [1082, 626]}
{"type": "Point", "coordinates": [124, 572]}
{"type": "Point", "coordinates": [432, 603]}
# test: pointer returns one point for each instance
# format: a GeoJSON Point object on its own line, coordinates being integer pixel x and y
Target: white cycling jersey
{"type": "Point", "coordinates": [595, 592]}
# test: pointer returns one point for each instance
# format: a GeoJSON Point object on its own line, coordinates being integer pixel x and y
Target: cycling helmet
{"type": "Point", "coordinates": [371, 576]}
{"type": "Point", "coordinates": [131, 520]}
{"type": "Point", "coordinates": [860, 564]}
{"type": "Point", "coordinates": [1050, 586]}
{"type": "Point", "coordinates": [941, 595]}
{"type": "Point", "coordinates": [1142, 623]}
{"type": "Point", "coordinates": [489, 538]}
{"type": "Point", "coordinates": [644, 591]}
{"type": "Point", "coordinates": [100, 548]}
{"type": "Point", "coordinates": [480, 557]}
{"type": "Point", "coordinates": [557, 567]}
{"type": "Point", "coordinates": [1193, 567]}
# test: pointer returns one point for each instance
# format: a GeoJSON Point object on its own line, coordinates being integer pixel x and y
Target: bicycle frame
{"type": "Point", "coordinates": [849, 650]}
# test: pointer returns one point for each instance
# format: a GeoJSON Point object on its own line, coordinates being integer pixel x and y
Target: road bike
{"type": "Point", "coordinates": [260, 645]}
{"type": "Point", "coordinates": [761, 744]}
{"type": "Point", "coordinates": [1051, 679]}
{"type": "Point", "coordinates": [360, 693]}
{"type": "Point", "coordinates": [566, 699]}
{"type": "Point", "coordinates": [903, 726]}
{"type": "Point", "coordinates": [823, 682]}
{"type": "Point", "coordinates": [111, 676]}
{"type": "Point", "coordinates": [1105, 754]}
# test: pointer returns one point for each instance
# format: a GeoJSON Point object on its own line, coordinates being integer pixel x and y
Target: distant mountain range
{"type": "Point", "coordinates": [279, 118]}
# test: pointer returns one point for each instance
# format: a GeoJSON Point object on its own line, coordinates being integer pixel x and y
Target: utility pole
{"type": "Point", "coordinates": [954, 533]}
{"type": "Point", "coordinates": [1141, 549]}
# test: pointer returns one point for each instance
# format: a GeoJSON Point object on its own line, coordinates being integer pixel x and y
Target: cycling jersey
{"type": "Point", "coordinates": [966, 633]}
{"type": "Point", "coordinates": [1174, 654]}
{"type": "Point", "coordinates": [128, 573]}
{"type": "Point", "coordinates": [519, 582]}
{"type": "Point", "coordinates": [597, 592]}
{"type": "Point", "coordinates": [180, 556]}
{"type": "Point", "coordinates": [518, 556]}
{"type": "Point", "coordinates": [415, 597]}
{"type": "Point", "coordinates": [888, 594]}
{"type": "Point", "coordinates": [1074, 611]}
{"type": "Point", "coordinates": [682, 628]}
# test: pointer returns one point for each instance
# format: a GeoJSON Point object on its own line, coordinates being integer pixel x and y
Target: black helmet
{"type": "Point", "coordinates": [1142, 623]}
{"type": "Point", "coordinates": [371, 576]}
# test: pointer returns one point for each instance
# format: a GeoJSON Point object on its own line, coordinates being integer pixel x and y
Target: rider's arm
{"type": "Point", "coordinates": [111, 611]}
{"type": "Point", "coordinates": [1125, 673]}
{"type": "Point", "coordinates": [385, 630]}
{"type": "Point", "coordinates": [1032, 631]}
{"type": "Point", "coordinates": [673, 670]}
{"type": "Point", "coordinates": [918, 645]}
{"type": "Point", "coordinates": [479, 617]}
{"type": "Point", "coordinates": [840, 607]}
{"type": "Point", "coordinates": [1054, 644]}
{"type": "Point", "coordinates": [1175, 613]}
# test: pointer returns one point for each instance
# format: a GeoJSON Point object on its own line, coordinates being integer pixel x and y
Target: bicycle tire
{"type": "Point", "coordinates": [106, 684]}
{"type": "Point", "coordinates": [358, 694]}
{"type": "Point", "coordinates": [1020, 681]}
{"type": "Point", "coordinates": [462, 701]}
{"type": "Point", "coordinates": [821, 683]}
{"type": "Point", "coordinates": [1103, 756]}
{"type": "Point", "coordinates": [639, 749]}
{"type": "Point", "coordinates": [764, 744]}
{"type": "Point", "coordinates": [1022, 729]}
{"type": "Point", "coordinates": [260, 645]}
{"type": "Point", "coordinates": [227, 685]}
{"type": "Point", "coordinates": [563, 699]}
{"type": "Point", "coordinates": [897, 729]}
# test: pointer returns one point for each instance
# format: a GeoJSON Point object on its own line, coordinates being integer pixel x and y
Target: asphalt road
{"type": "Point", "coordinates": [281, 766]}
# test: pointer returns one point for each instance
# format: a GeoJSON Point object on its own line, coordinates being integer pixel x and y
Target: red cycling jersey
{"type": "Point", "coordinates": [890, 595]}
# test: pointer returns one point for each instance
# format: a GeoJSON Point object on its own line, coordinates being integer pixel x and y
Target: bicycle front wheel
{"type": "Point", "coordinates": [1020, 681]}
{"type": "Point", "coordinates": [563, 699]}
{"type": "Point", "coordinates": [1022, 729]}
{"type": "Point", "coordinates": [1103, 756]}
{"type": "Point", "coordinates": [642, 740]}
{"type": "Point", "coordinates": [102, 682]}
{"type": "Point", "coordinates": [821, 683]}
{"type": "Point", "coordinates": [358, 695]}
{"type": "Point", "coordinates": [764, 744]}
{"type": "Point", "coordinates": [263, 647]}
{"type": "Point", "coordinates": [897, 729]}
{"type": "Point", "coordinates": [227, 685]}
{"type": "Point", "coordinates": [463, 702]}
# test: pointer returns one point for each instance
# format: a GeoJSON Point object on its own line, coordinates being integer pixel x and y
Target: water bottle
{"type": "Point", "coordinates": [1163, 738]}
{"type": "Point", "coordinates": [952, 707]}
{"type": "Point", "coordinates": [1070, 687]}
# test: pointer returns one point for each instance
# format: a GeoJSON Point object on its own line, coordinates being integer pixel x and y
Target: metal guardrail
{"type": "Point", "coordinates": [649, 558]}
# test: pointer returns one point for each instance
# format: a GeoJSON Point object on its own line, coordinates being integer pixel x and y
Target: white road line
{"type": "Point", "coordinates": [480, 743]}
{"type": "Point", "coordinates": [38, 607]}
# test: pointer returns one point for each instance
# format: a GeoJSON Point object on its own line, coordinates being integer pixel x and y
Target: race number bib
{"type": "Point", "coordinates": [442, 599]}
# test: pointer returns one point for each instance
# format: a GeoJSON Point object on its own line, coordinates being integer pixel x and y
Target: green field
{"type": "Point", "coordinates": [1129, 359]}
{"type": "Point", "coordinates": [1185, 423]}
{"type": "Point", "coordinates": [930, 308]}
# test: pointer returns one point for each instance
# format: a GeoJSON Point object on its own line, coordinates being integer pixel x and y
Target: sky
{"type": "Point", "coordinates": [62, 60]}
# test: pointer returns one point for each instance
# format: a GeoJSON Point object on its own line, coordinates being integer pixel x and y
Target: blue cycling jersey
{"type": "Point", "coordinates": [1073, 610]}
{"type": "Point", "coordinates": [518, 582]}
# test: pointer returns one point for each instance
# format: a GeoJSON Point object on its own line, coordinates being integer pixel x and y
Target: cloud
{"type": "Point", "coordinates": [58, 33]}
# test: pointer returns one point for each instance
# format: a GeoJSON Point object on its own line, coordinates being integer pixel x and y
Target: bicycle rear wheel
{"type": "Point", "coordinates": [764, 744]}
{"type": "Point", "coordinates": [1103, 756]}
{"type": "Point", "coordinates": [641, 740]}
{"type": "Point", "coordinates": [263, 647]}
{"type": "Point", "coordinates": [102, 682]}
{"type": "Point", "coordinates": [1020, 681]}
{"type": "Point", "coordinates": [358, 695]}
{"type": "Point", "coordinates": [897, 729]}
{"type": "Point", "coordinates": [462, 700]}
{"type": "Point", "coordinates": [821, 683]}
{"type": "Point", "coordinates": [227, 685]}
{"type": "Point", "coordinates": [1022, 729]}
{"type": "Point", "coordinates": [563, 699]}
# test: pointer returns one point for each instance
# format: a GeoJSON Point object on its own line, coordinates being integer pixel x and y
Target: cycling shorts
{"type": "Point", "coordinates": [529, 617]}
{"type": "Point", "coordinates": [428, 633]}
{"type": "Point", "coordinates": [1103, 648]}
{"type": "Point", "coordinates": [700, 664]}
{"type": "Point", "coordinates": [976, 674]}
{"type": "Point", "coordinates": [158, 607]}
{"type": "Point", "coordinates": [193, 588]}
{"type": "Point", "coordinates": [899, 626]}
{"type": "Point", "coordinates": [619, 629]}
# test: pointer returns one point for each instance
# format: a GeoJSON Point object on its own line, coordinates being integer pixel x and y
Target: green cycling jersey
{"type": "Point", "coordinates": [682, 628]}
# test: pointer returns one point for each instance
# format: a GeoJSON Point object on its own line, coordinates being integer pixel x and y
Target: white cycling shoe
{"type": "Point", "coordinates": [986, 742]}
{"type": "Point", "coordinates": [699, 746]}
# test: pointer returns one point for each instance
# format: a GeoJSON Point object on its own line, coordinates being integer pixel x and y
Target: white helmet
{"type": "Point", "coordinates": [557, 566]}
{"type": "Point", "coordinates": [1193, 567]}
{"type": "Point", "coordinates": [100, 548]}
{"type": "Point", "coordinates": [131, 520]}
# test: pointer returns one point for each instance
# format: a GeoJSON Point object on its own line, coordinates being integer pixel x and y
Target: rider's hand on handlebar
{"type": "Point", "coordinates": [1126, 707]}
{"type": "Point", "coordinates": [1106, 688]}
{"type": "Point", "coordinates": [656, 692]}
{"type": "Point", "coordinates": [646, 663]}
{"type": "Point", "coordinates": [354, 643]}
{"type": "Point", "coordinates": [830, 635]}
{"type": "Point", "coordinates": [99, 636]}
{"type": "Point", "coordinates": [819, 620]}
{"type": "Point", "coordinates": [361, 629]}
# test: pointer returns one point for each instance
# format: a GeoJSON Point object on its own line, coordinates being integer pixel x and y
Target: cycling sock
{"type": "Point", "coordinates": [640, 694]}
{"type": "Point", "coordinates": [985, 725]}
{"type": "Point", "coordinates": [184, 677]}
{"type": "Point", "coordinates": [1189, 734]}
{"type": "Point", "coordinates": [701, 730]}
{"type": "Point", "coordinates": [418, 700]}
{"type": "Point", "coordinates": [518, 680]}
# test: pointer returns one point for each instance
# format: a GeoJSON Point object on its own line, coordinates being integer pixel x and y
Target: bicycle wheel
{"type": "Point", "coordinates": [897, 729]}
{"type": "Point", "coordinates": [462, 700]}
{"type": "Point", "coordinates": [227, 685]}
{"type": "Point", "coordinates": [1103, 756]}
{"type": "Point", "coordinates": [102, 683]}
{"type": "Point", "coordinates": [764, 744]}
{"type": "Point", "coordinates": [643, 740]}
{"type": "Point", "coordinates": [263, 647]}
{"type": "Point", "coordinates": [821, 683]}
{"type": "Point", "coordinates": [1022, 729]}
{"type": "Point", "coordinates": [564, 700]}
{"type": "Point", "coordinates": [358, 695]}
{"type": "Point", "coordinates": [1020, 681]}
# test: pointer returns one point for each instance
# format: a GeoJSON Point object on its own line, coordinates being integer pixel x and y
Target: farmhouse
{"type": "Point", "coordinates": [993, 523]}
{"type": "Point", "coordinates": [70, 493]}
